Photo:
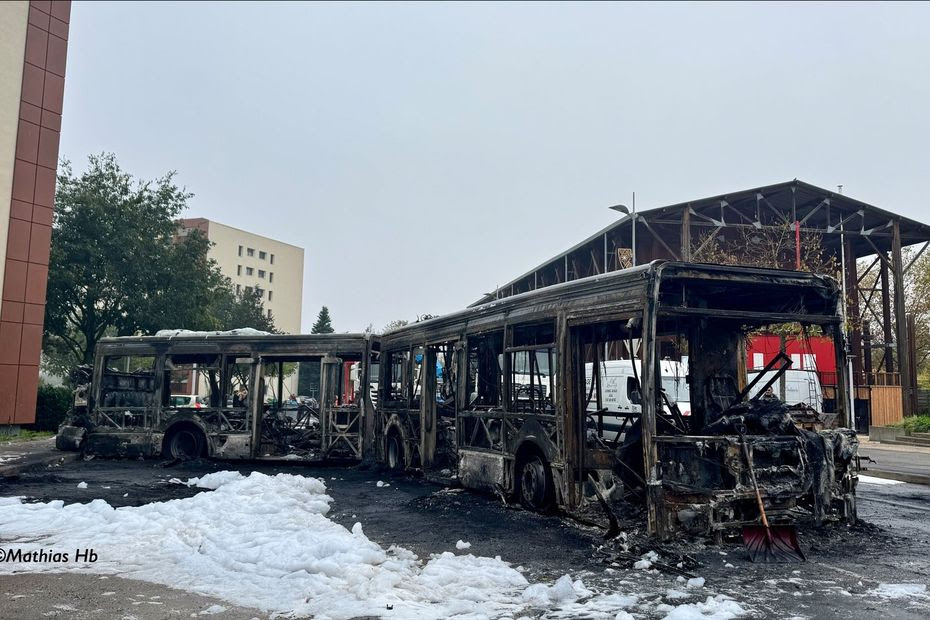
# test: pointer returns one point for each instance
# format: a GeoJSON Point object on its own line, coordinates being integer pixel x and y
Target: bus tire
{"type": "Point", "coordinates": [185, 443]}
{"type": "Point", "coordinates": [394, 452]}
{"type": "Point", "coordinates": [533, 481]}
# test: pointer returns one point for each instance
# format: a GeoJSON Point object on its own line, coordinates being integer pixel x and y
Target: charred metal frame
{"type": "Point", "coordinates": [492, 438]}
{"type": "Point", "coordinates": [229, 431]}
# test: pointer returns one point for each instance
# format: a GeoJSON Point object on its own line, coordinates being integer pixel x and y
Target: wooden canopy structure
{"type": "Point", "coordinates": [847, 229]}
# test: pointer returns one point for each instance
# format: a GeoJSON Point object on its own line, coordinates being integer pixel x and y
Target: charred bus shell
{"type": "Point", "coordinates": [514, 397]}
{"type": "Point", "coordinates": [238, 411]}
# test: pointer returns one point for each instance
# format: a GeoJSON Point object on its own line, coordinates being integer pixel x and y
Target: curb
{"type": "Point", "coordinates": [31, 461]}
{"type": "Point", "coordinates": [896, 475]}
{"type": "Point", "coordinates": [919, 442]}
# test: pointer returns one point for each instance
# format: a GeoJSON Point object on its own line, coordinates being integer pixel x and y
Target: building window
{"type": "Point", "coordinates": [260, 291]}
{"type": "Point", "coordinates": [270, 276]}
{"type": "Point", "coordinates": [250, 251]}
{"type": "Point", "coordinates": [269, 313]}
{"type": "Point", "coordinates": [248, 290]}
{"type": "Point", "coordinates": [238, 270]}
{"type": "Point", "coordinates": [272, 259]}
{"type": "Point", "coordinates": [238, 289]}
{"type": "Point", "coordinates": [240, 250]}
{"type": "Point", "coordinates": [249, 271]}
{"type": "Point", "coordinates": [269, 295]}
{"type": "Point", "coordinates": [261, 255]}
{"type": "Point", "coordinates": [261, 273]}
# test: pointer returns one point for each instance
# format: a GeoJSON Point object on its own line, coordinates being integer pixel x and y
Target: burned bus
{"type": "Point", "coordinates": [511, 397]}
{"type": "Point", "coordinates": [239, 408]}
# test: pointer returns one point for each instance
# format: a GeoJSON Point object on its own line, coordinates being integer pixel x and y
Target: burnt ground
{"type": "Point", "coordinates": [844, 568]}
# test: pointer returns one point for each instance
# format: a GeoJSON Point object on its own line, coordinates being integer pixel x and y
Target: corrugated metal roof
{"type": "Point", "coordinates": [814, 206]}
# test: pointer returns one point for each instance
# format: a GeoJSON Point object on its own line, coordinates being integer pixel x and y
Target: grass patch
{"type": "Point", "coordinates": [25, 435]}
{"type": "Point", "coordinates": [914, 424]}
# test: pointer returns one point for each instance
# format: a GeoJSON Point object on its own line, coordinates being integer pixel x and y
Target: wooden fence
{"type": "Point", "coordinates": [886, 406]}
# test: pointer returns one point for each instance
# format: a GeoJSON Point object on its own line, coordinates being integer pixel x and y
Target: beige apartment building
{"type": "Point", "coordinates": [33, 55]}
{"type": "Point", "coordinates": [273, 268]}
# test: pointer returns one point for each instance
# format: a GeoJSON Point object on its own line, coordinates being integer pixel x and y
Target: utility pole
{"type": "Point", "coordinates": [633, 215]}
{"type": "Point", "coordinates": [850, 384]}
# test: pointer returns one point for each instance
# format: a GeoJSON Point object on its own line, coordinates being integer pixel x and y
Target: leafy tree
{"type": "Point", "coordinates": [916, 301]}
{"type": "Point", "coordinates": [117, 266]}
{"type": "Point", "coordinates": [323, 323]}
{"type": "Point", "coordinates": [52, 405]}
{"type": "Point", "coordinates": [775, 247]}
{"type": "Point", "coordinates": [229, 310]}
{"type": "Point", "coordinates": [186, 290]}
{"type": "Point", "coordinates": [771, 247]}
{"type": "Point", "coordinates": [111, 237]}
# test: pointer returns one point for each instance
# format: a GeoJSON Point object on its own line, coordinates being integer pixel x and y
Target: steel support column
{"type": "Point", "coordinates": [853, 316]}
{"type": "Point", "coordinates": [887, 335]}
{"type": "Point", "coordinates": [912, 360]}
{"type": "Point", "coordinates": [686, 234]}
{"type": "Point", "coordinates": [901, 339]}
{"type": "Point", "coordinates": [844, 407]}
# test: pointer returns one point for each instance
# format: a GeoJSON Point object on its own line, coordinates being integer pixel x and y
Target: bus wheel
{"type": "Point", "coordinates": [395, 452]}
{"type": "Point", "coordinates": [185, 444]}
{"type": "Point", "coordinates": [534, 483]}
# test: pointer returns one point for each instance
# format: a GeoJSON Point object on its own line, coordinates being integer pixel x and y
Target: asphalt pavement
{"type": "Point", "coordinates": [845, 570]}
{"type": "Point", "coordinates": [17, 456]}
{"type": "Point", "coordinates": [73, 596]}
{"type": "Point", "coordinates": [904, 463]}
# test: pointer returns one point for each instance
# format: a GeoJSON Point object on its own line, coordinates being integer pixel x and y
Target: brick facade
{"type": "Point", "coordinates": [22, 309]}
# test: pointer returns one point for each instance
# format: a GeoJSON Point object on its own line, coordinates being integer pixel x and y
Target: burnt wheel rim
{"type": "Point", "coordinates": [184, 445]}
{"type": "Point", "coordinates": [533, 482]}
{"type": "Point", "coordinates": [393, 453]}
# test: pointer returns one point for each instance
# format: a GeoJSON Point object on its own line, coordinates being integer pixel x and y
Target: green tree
{"type": "Point", "coordinates": [309, 377]}
{"type": "Point", "coordinates": [229, 310]}
{"type": "Point", "coordinates": [323, 323]}
{"type": "Point", "coordinates": [117, 266]}
{"type": "Point", "coordinates": [916, 301]}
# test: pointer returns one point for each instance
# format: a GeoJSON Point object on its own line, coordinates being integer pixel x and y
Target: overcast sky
{"type": "Point", "coordinates": [423, 154]}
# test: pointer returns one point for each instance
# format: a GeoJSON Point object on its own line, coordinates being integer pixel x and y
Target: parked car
{"type": "Point", "coordinates": [188, 400]}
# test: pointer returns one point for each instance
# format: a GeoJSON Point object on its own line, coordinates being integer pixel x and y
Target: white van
{"type": "Point", "coordinates": [801, 387]}
{"type": "Point", "coordinates": [620, 384]}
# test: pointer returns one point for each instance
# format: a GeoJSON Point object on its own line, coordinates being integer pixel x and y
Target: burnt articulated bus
{"type": "Point", "coordinates": [554, 397]}
{"type": "Point", "coordinates": [511, 397]}
{"type": "Point", "coordinates": [127, 408]}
